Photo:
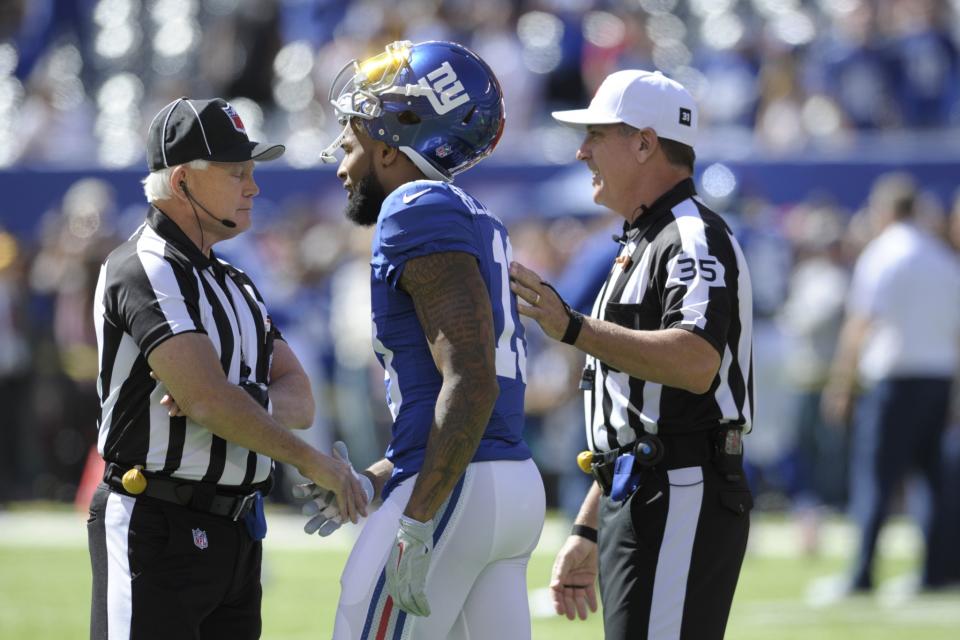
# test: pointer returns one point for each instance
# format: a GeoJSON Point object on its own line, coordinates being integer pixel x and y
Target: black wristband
{"type": "Point", "coordinates": [576, 318]}
{"type": "Point", "coordinates": [573, 326]}
{"type": "Point", "coordinates": [584, 531]}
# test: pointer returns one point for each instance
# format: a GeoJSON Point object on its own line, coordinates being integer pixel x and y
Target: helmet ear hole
{"type": "Point", "coordinates": [408, 117]}
{"type": "Point", "coordinates": [467, 118]}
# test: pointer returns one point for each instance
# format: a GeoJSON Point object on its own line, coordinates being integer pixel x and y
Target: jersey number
{"type": "Point", "coordinates": [509, 363]}
{"type": "Point", "coordinates": [683, 269]}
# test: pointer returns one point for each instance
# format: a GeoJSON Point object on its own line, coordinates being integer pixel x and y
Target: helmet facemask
{"type": "Point", "coordinates": [360, 86]}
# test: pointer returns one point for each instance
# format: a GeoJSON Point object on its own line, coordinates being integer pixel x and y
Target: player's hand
{"type": "Point", "coordinates": [545, 306]}
{"type": "Point", "coordinates": [408, 564]}
{"type": "Point", "coordinates": [327, 518]}
{"type": "Point", "coordinates": [336, 475]}
{"type": "Point", "coordinates": [167, 401]}
{"type": "Point", "coordinates": [573, 583]}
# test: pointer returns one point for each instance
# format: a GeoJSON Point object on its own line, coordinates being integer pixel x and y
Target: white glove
{"type": "Point", "coordinates": [328, 518]}
{"type": "Point", "coordinates": [408, 564]}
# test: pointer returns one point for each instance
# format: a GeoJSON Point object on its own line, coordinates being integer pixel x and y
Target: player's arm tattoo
{"type": "Point", "coordinates": [453, 306]}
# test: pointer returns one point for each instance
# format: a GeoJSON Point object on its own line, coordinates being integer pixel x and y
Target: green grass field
{"type": "Point", "coordinates": [45, 586]}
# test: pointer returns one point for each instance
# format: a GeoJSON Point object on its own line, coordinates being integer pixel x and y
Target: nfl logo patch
{"type": "Point", "coordinates": [200, 538]}
{"type": "Point", "coordinates": [234, 118]}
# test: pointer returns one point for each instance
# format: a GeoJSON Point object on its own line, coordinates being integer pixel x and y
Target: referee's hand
{"type": "Point", "coordinates": [338, 476]}
{"type": "Point", "coordinates": [168, 403]}
{"type": "Point", "coordinates": [543, 303]}
{"type": "Point", "coordinates": [326, 518]}
{"type": "Point", "coordinates": [573, 583]}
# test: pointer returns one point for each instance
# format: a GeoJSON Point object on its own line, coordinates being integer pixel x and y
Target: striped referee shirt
{"type": "Point", "coordinates": [156, 285]}
{"type": "Point", "coordinates": [679, 267]}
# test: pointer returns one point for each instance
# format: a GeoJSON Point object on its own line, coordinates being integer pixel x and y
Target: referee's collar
{"type": "Point", "coordinates": [172, 233]}
{"type": "Point", "coordinates": [661, 206]}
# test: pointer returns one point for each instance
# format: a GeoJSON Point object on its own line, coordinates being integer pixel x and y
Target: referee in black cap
{"type": "Point", "coordinates": [197, 393]}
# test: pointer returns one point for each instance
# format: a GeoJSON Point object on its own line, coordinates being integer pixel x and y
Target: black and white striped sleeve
{"type": "Point", "coordinates": [154, 296]}
{"type": "Point", "coordinates": [697, 268]}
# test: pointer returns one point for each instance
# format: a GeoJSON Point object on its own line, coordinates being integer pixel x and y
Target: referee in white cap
{"type": "Point", "coordinates": [197, 393]}
{"type": "Point", "coordinates": [668, 382]}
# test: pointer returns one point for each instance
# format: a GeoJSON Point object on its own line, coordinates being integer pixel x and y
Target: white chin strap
{"type": "Point", "coordinates": [428, 170]}
{"type": "Point", "coordinates": [425, 167]}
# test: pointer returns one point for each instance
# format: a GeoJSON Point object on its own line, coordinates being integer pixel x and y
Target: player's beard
{"type": "Point", "coordinates": [363, 205]}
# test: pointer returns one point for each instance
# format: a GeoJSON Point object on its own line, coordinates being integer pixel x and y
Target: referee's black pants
{"type": "Point", "coordinates": [163, 571]}
{"type": "Point", "coordinates": [670, 555]}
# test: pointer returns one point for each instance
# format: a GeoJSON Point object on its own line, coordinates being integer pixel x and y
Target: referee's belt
{"type": "Point", "coordinates": [233, 503]}
{"type": "Point", "coordinates": [719, 445]}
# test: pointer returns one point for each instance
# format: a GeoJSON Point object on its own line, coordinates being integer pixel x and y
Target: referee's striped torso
{"type": "Point", "coordinates": [152, 287]}
{"type": "Point", "coordinates": [679, 267]}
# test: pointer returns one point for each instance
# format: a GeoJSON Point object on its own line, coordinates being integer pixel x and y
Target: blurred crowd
{"type": "Point", "coordinates": [80, 78]}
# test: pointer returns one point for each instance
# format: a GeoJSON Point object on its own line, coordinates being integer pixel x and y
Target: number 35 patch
{"type": "Point", "coordinates": [684, 270]}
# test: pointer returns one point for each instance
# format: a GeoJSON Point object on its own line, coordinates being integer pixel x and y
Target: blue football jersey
{"type": "Point", "coordinates": [417, 219]}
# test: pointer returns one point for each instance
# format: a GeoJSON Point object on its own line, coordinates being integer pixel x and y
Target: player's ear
{"type": "Point", "coordinates": [386, 155]}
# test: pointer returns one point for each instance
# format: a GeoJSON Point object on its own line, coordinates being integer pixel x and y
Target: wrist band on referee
{"type": "Point", "coordinates": [584, 531]}
{"type": "Point", "coordinates": [573, 327]}
{"type": "Point", "coordinates": [575, 323]}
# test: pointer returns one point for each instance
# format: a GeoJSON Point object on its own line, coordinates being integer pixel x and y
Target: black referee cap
{"type": "Point", "coordinates": [187, 130]}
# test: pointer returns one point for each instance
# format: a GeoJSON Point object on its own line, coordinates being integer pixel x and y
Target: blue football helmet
{"type": "Point", "coordinates": [438, 102]}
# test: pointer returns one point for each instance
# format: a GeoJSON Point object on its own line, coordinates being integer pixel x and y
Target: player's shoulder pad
{"type": "Point", "coordinates": [422, 195]}
{"type": "Point", "coordinates": [435, 217]}
{"type": "Point", "coordinates": [419, 206]}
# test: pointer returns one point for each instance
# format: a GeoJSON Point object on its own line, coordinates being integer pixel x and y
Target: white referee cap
{"type": "Point", "coordinates": [640, 99]}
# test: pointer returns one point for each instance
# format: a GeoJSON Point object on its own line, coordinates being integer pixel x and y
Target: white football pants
{"type": "Point", "coordinates": [477, 583]}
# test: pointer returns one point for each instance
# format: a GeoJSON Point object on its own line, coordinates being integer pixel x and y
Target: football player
{"type": "Point", "coordinates": [463, 503]}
